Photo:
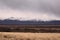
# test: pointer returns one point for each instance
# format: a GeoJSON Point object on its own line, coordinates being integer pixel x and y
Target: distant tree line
{"type": "Point", "coordinates": [43, 30]}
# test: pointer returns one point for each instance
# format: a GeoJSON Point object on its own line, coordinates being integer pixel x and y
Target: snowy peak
{"type": "Point", "coordinates": [32, 22]}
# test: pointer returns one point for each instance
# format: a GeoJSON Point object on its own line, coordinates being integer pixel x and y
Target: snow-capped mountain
{"type": "Point", "coordinates": [12, 20]}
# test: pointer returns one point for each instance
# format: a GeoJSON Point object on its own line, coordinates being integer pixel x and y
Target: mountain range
{"type": "Point", "coordinates": [32, 22]}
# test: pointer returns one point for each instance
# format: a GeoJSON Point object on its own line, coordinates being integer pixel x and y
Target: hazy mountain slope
{"type": "Point", "coordinates": [8, 21]}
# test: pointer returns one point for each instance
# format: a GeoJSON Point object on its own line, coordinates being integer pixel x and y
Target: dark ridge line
{"type": "Point", "coordinates": [33, 26]}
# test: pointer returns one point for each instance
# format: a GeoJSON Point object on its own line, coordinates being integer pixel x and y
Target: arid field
{"type": "Point", "coordinates": [29, 36]}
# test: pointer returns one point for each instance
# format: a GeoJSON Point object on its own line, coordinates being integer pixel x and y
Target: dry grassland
{"type": "Point", "coordinates": [29, 36]}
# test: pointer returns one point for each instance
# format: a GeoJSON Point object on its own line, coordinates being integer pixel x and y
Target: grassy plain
{"type": "Point", "coordinates": [30, 28]}
{"type": "Point", "coordinates": [29, 36]}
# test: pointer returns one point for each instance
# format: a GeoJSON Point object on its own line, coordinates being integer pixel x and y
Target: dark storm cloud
{"type": "Point", "coordinates": [50, 6]}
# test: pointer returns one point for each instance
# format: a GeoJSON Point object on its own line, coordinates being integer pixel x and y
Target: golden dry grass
{"type": "Point", "coordinates": [29, 36]}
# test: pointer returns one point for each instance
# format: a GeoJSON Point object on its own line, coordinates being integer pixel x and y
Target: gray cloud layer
{"type": "Point", "coordinates": [49, 6]}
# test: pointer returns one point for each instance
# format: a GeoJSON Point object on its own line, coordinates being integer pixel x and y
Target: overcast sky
{"type": "Point", "coordinates": [30, 9]}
